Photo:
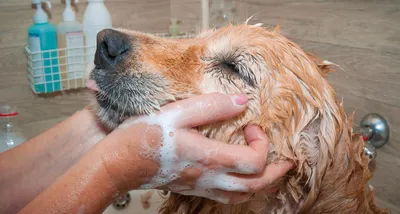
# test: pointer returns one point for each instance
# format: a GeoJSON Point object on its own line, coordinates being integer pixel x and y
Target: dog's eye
{"type": "Point", "coordinates": [231, 66]}
{"type": "Point", "coordinates": [235, 69]}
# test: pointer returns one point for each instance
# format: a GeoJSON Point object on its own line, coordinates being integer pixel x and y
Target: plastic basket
{"type": "Point", "coordinates": [64, 69]}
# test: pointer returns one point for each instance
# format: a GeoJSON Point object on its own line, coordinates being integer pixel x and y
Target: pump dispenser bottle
{"type": "Point", "coordinates": [42, 42]}
{"type": "Point", "coordinates": [70, 42]}
{"type": "Point", "coordinates": [95, 19]}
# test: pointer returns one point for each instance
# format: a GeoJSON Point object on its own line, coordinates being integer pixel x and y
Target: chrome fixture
{"type": "Point", "coordinates": [122, 201]}
{"type": "Point", "coordinates": [375, 132]}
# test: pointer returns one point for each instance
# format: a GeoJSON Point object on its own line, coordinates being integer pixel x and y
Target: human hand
{"type": "Point", "coordinates": [163, 151]}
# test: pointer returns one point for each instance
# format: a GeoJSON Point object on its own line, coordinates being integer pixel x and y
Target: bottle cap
{"type": "Point", "coordinates": [8, 111]}
{"type": "Point", "coordinates": [40, 15]}
{"type": "Point", "coordinates": [68, 14]}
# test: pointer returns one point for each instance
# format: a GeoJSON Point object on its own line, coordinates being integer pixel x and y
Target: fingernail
{"type": "Point", "coordinates": [239, 99]}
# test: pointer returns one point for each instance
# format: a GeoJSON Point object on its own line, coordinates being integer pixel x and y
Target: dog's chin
{"type": "Point", "coordinates": [112, 117]}
{"type": "Point", "coordinates": [108, 117]}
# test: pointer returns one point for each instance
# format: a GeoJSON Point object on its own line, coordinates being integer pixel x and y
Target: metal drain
{"type": "Point", "coordinates": [122, 201]}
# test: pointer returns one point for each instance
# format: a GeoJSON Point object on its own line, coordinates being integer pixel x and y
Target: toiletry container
{"type": "Point", "coordinates": [95, 19]}
{"type": "Point", "coordinates": [10, 134]}
{"type": "Point", "coordinates": [42, 42]}
{"type": "Point", "coordinates": [71, 45]}
{"type": "Point", "coordinates": [222, 13]}
{"type": "Point", "coordinates": [174, 27]}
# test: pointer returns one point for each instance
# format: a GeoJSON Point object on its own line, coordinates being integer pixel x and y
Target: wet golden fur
{"type": "Point", "coordinates": [291, 101]}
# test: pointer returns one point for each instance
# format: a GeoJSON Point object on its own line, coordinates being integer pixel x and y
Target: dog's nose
{"type": "Point", "coordinates": [112, 47]}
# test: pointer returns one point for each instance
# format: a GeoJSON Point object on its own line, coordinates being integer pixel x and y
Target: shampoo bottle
{"type": "Point", "coordinates": [174, 27]}
{"type": "Point", "coordinates": [42, 42]}
{"type": "Point", "coordinates": [95, 19]}
{"type": "Point", "coordinates": [71, 45]}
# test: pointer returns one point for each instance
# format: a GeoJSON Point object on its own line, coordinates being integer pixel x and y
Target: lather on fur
{"type": "Point", "coordinates": [288, 97]}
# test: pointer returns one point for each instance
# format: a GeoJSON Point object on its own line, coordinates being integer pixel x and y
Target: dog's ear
{"type": "Point", "coordinates": [324, 66]}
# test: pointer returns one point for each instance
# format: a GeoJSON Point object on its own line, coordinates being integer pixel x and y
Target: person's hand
{"type": "Point", "coordinates": [164, 151]}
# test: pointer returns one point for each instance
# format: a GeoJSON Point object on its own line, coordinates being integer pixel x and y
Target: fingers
{"type": "Point", "coordinates": [271, 173]}
{"type": "Point", "coordinates": [256, 139]}
{"type": "Point", "coordinates": [217, 155]}
{"type": "Point", "coordinates": [227, 197]}
{"type": "Point", "coordinates": [206, 109]}
{"type": "Point", "coordinates": [248, 183]}
{"type": "Point", "coordinates": [221, 196]}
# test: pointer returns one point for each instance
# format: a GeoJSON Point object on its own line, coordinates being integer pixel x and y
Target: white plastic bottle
{"type": "Point", "coordinates": [72, 60]}
{"type": "Point", "coordinates": [95, 19]}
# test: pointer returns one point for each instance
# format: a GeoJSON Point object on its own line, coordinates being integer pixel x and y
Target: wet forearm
{"type": "Point", "coordinates": [31, 167]}
{"type": "Point", "coordinates": [91, 184]}
{"type": "Point", "coordinates": [85, 188]}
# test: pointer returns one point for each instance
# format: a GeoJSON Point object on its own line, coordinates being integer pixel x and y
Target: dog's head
{"type": "Point", "coordinates": [288, 97]}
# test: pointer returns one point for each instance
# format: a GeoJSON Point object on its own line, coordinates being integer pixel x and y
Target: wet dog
{"type": "Point", "coordinates": [288, 96]}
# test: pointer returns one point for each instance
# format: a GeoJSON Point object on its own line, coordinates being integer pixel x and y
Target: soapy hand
{"type": "Point", "coordinates": [163, 151]}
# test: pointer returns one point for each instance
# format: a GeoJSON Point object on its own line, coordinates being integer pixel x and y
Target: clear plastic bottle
{"type": "Point", "coordinates": [10, 134]}
{"type": "Point", "coordinates": [222, 13]}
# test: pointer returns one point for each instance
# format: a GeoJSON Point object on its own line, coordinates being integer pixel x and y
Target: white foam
{"type": "Point", "coordinates": [246, 168]}
{"type": "Point", "coordinates": [167, 152]}
{"type": "Point", "coordinates": [178, 188]}
{"type": "Point", "coordinates": [171, 165]}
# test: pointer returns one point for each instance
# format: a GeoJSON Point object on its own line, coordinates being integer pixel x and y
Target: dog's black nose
{"type": "Point", "coordinates": [112, 47]}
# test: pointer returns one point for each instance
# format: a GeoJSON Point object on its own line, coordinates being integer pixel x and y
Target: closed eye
{"type": "Point", "coordinates": [232, 67]}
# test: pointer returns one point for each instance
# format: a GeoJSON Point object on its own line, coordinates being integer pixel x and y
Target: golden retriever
{"type": "Point", "coordinates": [289, 98]}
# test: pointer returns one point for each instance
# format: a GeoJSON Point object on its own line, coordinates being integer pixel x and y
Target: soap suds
{"type": "Point", "coordinates": [212, 180]}
{"type": "Point", "coordinates": [246, 168]}
{"type": "Point", "coordinates": [171, 165]}
{"type": "Point", "coordinates": [167, 152]}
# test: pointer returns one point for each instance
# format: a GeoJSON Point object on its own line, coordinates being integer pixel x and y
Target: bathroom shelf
{"type": "Point", "coordinates": [65, 69]}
